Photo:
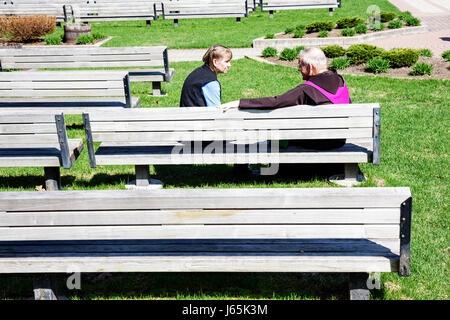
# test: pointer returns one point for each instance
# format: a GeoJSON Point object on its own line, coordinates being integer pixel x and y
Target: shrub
{"type": "Point", "coordinates": [319, 26]}
{"type": "Point", "coordinates": [349, 22]}
{"type": "Point", "coordinates": [413, 22]}
{"type": "Point", "coordinates": [288, 54]}
{"type": "Point", "coordinates": [299, 33]}
{"type": "Point", "coordinates": [361, 28]}
{"type": "Point", "coordinates": [377, 65]}
{"type": "Point", "coordinates": [387, 16]}
{"type": "Point", "coordinates": [446, 55]}
{"type": "Point", "coordinates": [53, 39]}
{"type": "Point", "coordinates": [333, 51]}
{"type": "Point", "coordinates": [98, 35]}
{"type": "Point", "coordinates": [289, 30]}
{"type": "Point", "coordinates": [421, 69]}
{"type": "Point", "coordinates": [399, 58]}
{"type": "Point", "coordinates": [339, 63]}
{"type": "Point", "coordinates": [300, 27]}
{"type": "Point", "coordinates": [323, 34]}
{"type": "Point", "coordinates": [360, 53]}
{"type": "Point", "coordinates": [426, 53]}
{"type": "Point", "coordinates": [395, 24]}
{"type": "Point", "coordinates": [29, 28]}
{"type": "Point", "coordinates": [270, 36]}
{"type": "Point", "coordinates": [378, 27]}
{"type": "Point", "coordinates": [347, 32]}
{"type": "Point", "coordinates": [85, 38]}
{"type": "Point", "coordinates": [269, 52]}
{"type": "Point", "coordinates": [404, 15]}
{"type": "Point", "coordinates": [298, 49]}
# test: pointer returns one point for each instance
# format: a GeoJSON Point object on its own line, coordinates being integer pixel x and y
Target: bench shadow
{"type": "Point", "coordinates": [31, 181]}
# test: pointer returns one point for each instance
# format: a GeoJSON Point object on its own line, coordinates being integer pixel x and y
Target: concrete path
{"type": "Point", "coordinates": [435, 14]}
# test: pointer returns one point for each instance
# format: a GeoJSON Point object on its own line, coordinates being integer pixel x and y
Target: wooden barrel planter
{"type": "Point", "coordinates": [73, 31]}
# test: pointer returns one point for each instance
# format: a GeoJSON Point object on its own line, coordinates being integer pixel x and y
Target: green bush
{"type": "Point", "coordinates": [421, 69]}
{"type": "Point", "coordinates": [413, 22]}
{"type": "Point", "coordinates": [298, 49]}
{"type": "Point", "coordinates": [339, 63]}
{"type": "Point", "coordinates": [378, 27]}
{"type": "Point", "coordinates": [299, 33]}
{"type": "Point", "coordinates": [399, 58]}
{"type": "Point", "coordinates": [323, 34]}
{"type": "Point", "coordinates": [361, 28]}
{"type": "Point", "coordinates": [347, 32]}
{"type": "Point", "coordinates": [333, 51]}
{"type": "Point", "coordinates": [270, 36]}
{"type": "Point", "coordinates": [98, 35]}
{"type": "Point", "coordinates": [377, 65]}
{"type": "Point", "coordinates": [387, 16]}
{"type": "Point", "coordinates": [404, 15]}
{"type": "Point", "coordinates": [288, 54]}
{"type": "Point", "coordinates": [53, 39]}
{"type": "Point", "coordinates": [446, 55]}
{"type": "Point", "coordinates": [395, 24]}
{"type": "Point", "coordinates": [269, 52]}
{"type": "Point", "coordinates": [300, 27]}
{"type": "Point", "coordinates": [85, 38]}
{"type": "Point", "coordinates": [426, 53]}
{"type": "Point", "coordinates": [289, 30]}
{"type": "Point", "coordinates": [349, 22]}
{"type": "Point", "coordinates": [317, 26]}
{"type": "Point", "coordinates": [360, 53]}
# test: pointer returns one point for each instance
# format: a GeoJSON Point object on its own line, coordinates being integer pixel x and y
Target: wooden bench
{"type": "Point", "coordinates": [275, 5]}
{"type": "Point", "coordinates": [340, 230]}
{"type": "Point", "coordinates": [192, 9]}
{"type": "Point", "coordinates": [71, 91]}
{"type": "Point", "coordinates": [111, 10]}
{"type": "Point", "coordinates": [97, 57]}
{"type": "Point", "coordinates": [37, 139]}
{"type": "Point", "coordinates": [163, 136]}
{"type": "Point", "coordinates": [33, 7]}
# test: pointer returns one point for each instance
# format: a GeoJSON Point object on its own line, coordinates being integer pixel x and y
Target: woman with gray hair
{"type": "Point", "coordinates": [322, 86]}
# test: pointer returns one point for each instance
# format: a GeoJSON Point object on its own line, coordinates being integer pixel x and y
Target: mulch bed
{"type": "Point", "coordinates": [441, 68]}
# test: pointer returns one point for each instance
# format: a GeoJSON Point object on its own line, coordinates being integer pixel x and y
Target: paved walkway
{"type": "Point", "coordinates": [435, 14]}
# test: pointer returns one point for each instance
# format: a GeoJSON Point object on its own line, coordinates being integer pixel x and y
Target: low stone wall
{"type": "Point", "coordinates": [280, 44]}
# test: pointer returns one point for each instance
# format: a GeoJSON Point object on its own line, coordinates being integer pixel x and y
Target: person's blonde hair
{"type": "Point", "coordinates": [216, 52]}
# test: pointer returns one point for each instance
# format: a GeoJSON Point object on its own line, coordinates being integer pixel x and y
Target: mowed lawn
{"type": "Point", "coordinates": [201, 33]}
{"type": "Point", "coordinates": [414, 152]}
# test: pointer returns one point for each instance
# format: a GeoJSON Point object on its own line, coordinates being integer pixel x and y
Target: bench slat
{"type": "Point", "coordinates": [201, 264]}
{"type": "Point", "coordinates": [201, 232]}
{"type": "Point", "coordinates": [146, 217]}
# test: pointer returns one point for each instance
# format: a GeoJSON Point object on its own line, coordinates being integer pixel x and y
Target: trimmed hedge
{"type": "Point", "coordinates": [269, 52]}
{"type": "Point", "coordinates": [349, 22]}
{"type": "Point", "coordinates": [399, 58]}
{"type": "Point", "coordinates": [317, 26]}
{"type": "Point", "coordinates": [360, 53]}
{"type": "Point", "coordinates": [333, 51]}
{"type": "Point", "coordinates": [288, 54]}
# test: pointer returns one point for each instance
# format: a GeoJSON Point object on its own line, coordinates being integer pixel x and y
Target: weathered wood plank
{"type": "Point", "coordinates": [147, 217]}
{"type": "Point", "coordinates": [241, 198]}
{"type": "Point", "coordinates": [200, 264]}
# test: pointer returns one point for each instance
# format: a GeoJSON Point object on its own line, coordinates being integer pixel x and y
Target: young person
{"type": "Point", "coordinates": [201, 87]}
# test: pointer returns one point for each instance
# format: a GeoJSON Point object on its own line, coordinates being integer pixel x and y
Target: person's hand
{"type": "Point", "coordinates": [229, 105]}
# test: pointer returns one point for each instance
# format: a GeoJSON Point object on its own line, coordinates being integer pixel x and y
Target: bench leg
{"type": "Point", "coordinates": [331, 12]}
{"type": "Point", "coordinates": [52, 178]}
{"type": "Point", "coordinates": [148, 23]}
{"type": "Point", "coordinates": [44, 287]}
{"type": "Point", "coordinates": [271, 14]}
{"type": "Point", "coordinates": [358, 286]}
{"type": "Point", "coordinates": [238, 20]}
{"type": "Point", "coordinates": [175, 22]}
{"type": "Point", "coordinates": [156, 89]}
{"type": "Point", "coordinates": [351, 177]}
{"type": "Point", "coordinates": [143, 180]}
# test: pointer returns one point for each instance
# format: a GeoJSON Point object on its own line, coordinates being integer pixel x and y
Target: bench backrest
{"type": "Point", "coordinates": [188, 9]}
{"type": "Point", "coordinates": [298, 4]}
{"type": "Point", "coordinates": [46, 84]}
{"type": "Point", "coordinates": [378, 217]}
{"type": "Point", "coordinates": [98, 57]}
{"type": "Point", "coordinates": [136, 127]}
{"type": "Point", "coordinates": [33, 130]}
{"type": "Point", "coordinates": [112, 10]}
{"type": "Point", "coordinates": [33, 7]}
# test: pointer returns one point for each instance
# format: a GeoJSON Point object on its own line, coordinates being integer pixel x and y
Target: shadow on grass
{"type": "Point", "coordinates": [164, 285]}
{"type": "Point", "coordinates": [31, 182]}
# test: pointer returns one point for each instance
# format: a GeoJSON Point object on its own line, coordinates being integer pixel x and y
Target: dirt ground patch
{"type": "Point", "coordinates": [441, 68]}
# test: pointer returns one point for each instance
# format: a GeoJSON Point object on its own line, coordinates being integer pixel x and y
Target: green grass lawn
{"type": "Point", "coordinates": [414, 153]}
{"type": "Point", "coordinates": [202, 33]}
